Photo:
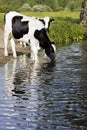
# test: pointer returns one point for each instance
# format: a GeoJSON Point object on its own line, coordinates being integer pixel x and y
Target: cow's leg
{"type": "Point", "coordinates": [24, 44]}
{"type": "Point", "coordinates": [34, 48]}
{"type": "Point", "coordinates": [6, 35]}
{"type": "Point", "coordinates": [21, 44]}
{"type": "Point", "coordinates": [13, 47]}
{"type": "Point", "coordinates": [34, 52]}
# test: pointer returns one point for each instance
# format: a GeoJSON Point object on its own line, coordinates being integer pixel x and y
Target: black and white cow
{"type": "Point", "coordinates": [27, 29]}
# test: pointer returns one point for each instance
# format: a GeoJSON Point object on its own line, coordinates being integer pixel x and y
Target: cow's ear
{"type": "Point", "coordinates": [51, 20]}
{"type": "Point", "coordinates": [36, 34]}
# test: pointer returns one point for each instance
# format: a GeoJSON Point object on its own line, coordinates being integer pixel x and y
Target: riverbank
{"type": "Point", "coordinates": [20, 50]}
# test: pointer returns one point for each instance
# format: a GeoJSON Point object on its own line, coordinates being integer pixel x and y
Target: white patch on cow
{"type": "Point", "coordinates": [53, 45]}
{"type": "Point", "coordinates": [46, 20]}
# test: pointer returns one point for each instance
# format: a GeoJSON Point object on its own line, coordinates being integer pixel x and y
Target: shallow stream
{"type": "Point", "coordinates": [45, 95]}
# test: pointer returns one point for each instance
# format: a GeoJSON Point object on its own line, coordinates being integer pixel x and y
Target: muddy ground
{"type": "Point", "coordinates": [20, 50]}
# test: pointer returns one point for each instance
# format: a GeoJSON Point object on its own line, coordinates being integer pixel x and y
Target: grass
{"type": "Point", "coordinates": [63, 14]}
{"type": "Point", "coordinates": [1, 18]}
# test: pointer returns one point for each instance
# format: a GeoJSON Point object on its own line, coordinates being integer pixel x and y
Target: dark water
{"type": "Point", "coordinates": [45, 95]}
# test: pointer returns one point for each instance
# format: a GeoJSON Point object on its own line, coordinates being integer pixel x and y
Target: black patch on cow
{"type": "Point", "coordinates": [19, 28]}
{"type": "Point", "coordinates": [42, 37]}
{"type": "Point", "coordinates": [45, 43]}
{"type": "Point", "coordinates": [42, 21]}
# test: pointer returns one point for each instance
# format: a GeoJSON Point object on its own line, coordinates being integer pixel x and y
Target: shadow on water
{"type": "Point", "coordinates": [45, 95]}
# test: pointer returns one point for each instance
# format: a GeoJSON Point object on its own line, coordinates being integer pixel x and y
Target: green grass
{"type": "Point", "coordinates": [1, 18]}
{"type": "Point", "coordinates": [63, 14]}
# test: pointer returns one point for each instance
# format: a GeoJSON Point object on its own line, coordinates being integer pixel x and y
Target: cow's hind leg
{"type": "Point", "coordinates": [13, 47]}
{"type": "Point", "coordinates": [34, 53]}
{"type": "Point", "coordinates": [6, 35]}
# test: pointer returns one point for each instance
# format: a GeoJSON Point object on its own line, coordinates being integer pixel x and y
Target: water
{"type": "Point", "coordinates": [45, 95]}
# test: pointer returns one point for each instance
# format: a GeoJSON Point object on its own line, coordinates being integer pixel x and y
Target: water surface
{"type": "Point", "coordinates": [45, 95]}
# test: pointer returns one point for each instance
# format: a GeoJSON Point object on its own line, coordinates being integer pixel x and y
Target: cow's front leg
{"type": "Point", "coordinates": [5, 49]}
{"type": "Point", "coordinates": [13, 47]}
{"type": "Point", "coordinates": [34, 53]}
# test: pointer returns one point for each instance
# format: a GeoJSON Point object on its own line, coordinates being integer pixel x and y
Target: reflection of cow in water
{"type": "Point", "coordinates": [10, 70]}
{"type": "Point", "coordinates": [24, 79]}
{"type": "Point", "coordinates": [25, 75]}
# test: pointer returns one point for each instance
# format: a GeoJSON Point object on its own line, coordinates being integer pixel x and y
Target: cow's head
{"type": "Point", "coordinates": [45, 43]}
{"type": "Point", "coordinates": [50, 52]}
{"type": "Point", "coordinates": [47, 21]}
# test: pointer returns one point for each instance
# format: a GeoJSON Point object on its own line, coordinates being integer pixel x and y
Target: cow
{"type": "Point", "coordinates": [26, 29]}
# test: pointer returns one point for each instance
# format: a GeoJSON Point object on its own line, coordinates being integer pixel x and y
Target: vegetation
{"type": "Point", "coordinates": [65, 30]}
{"type": "Point", "coordinates": [55, 5]}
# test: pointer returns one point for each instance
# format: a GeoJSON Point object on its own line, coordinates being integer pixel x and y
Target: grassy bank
{"type": "Point", "coordinates": [63, 14]}
{"type": "Point", "coordinates": [65, 28]}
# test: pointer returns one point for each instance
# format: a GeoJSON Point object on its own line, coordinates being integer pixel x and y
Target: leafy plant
{"type": "Point", "coordinates": [66, 31]}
